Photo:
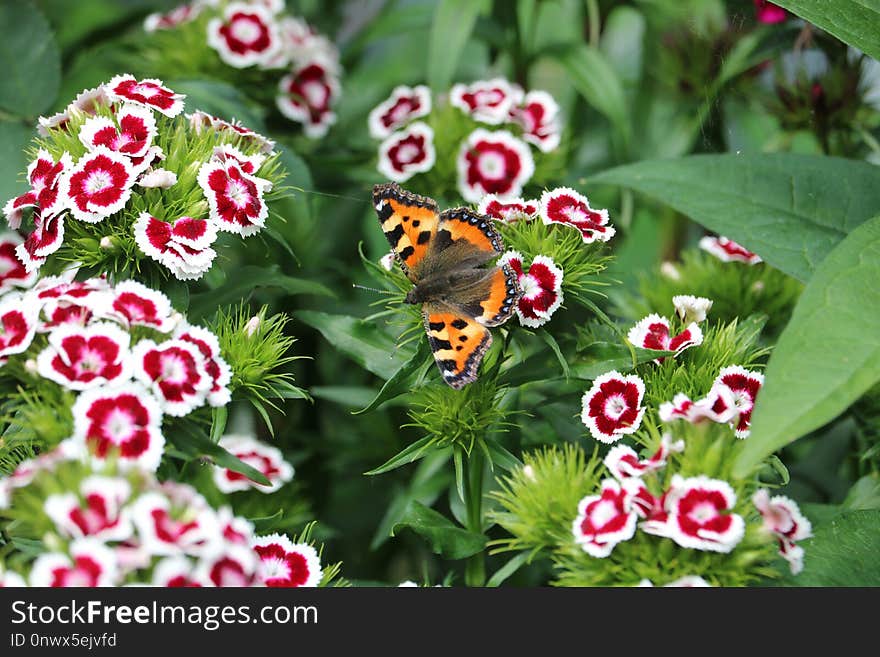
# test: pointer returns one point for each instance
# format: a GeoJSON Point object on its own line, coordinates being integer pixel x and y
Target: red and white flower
{"type": "Point", "coordinates": [404, 105]}
{"type": "Point", "coordinates": [184, 246]}
{"type": "Point", "coordinates": [67, 301]}
{"type": "Point", "coordinates": [215, 366]}
{"type": "Point", "coordinates": [247, 35]}
{"type": "Point", "coordinates": [177, 16]}
{"type": "Point", "coordinates": [306, 95]}
{"type": "Point", "coordinates": [266, 459]}
{"type": "Point", "coordinates": [300, 43]}
{"type": "Point", "coordinates": [541, 285]}
{"type": "Point", "coordinates": [131, 134]}
{"type": "Point", "coordinates": [690, 308]}
{"type": "Point", "coordinates": [783, 518]}
{"type": "Point", "coordinates": [19, 316]}
{"type": "Point", "coordinates": [235, 199]}
{"type": "Point", "coordinates": [652, 332]}
{"type": "Point", "coordinates": [604, 520]}
{"type": "Point", "coordinates": [200, 120]}
{"type": "Point", "coordinates": [234, 529]}
{"type": "Point", "coordinates": [407, 152]}
{"type": "Point", "coordinates": [387, 261]}
{"type": "Point", "coordinates": [769, 13]}
{"type": "Point", "coordinates": [565, 206]}
{"type": "Point", "coordinates": [90, 563]}
{"type": "Point", "coordinates": [728, 251]}
{"type": "Point", "coordinates": [13, 273]}
{"type": "Point", "coordinates": [488, 101]}
{"type": "Point", "coordinates": [250, 164]}
{"type": "Point", "coordinates": [149, 92]}
{"type": "Point", "coordinates": [168, 527]}
{"type": "Point", "coordinates": [229, 565]}
{"type": "Point", "coordinates": [123, 422]}
{"type": "Point", "coordinates": [134, 304]}
{"type": "Point", "coordinates": [175, 372]}
{"type": "Point", "coordinates": [612, 407]}
{"type": "Point", "coordinates": [176, 572]}
{"type": "Point", "coordinates": [493, 163]}
{"type": "Point", "coordinates": [700, 514]}
{"type": "Point", "coordinates": [43, 241]}
{"type": "Point", "coordinates": [744, 387]}
{"type": "Point", "coordinates": [508, 209]}
{"type": "Point", "coordinates": [99, 184]}
{"type": "Point", "coordinates": [46, 177]}
{"type": "Point", "coordinates": [283, 563]}
{"type": "Point", "coordinates": [98, 511]}
{"type": "Point", "coordinates": [623, 462]}
{"type": "Point", "coordinates": [82, 357]}
{"type": "Point", "coordinates": [717, 406]}
{"type": "Point", "coordinates": [538, 116]}
{"type": "Point", "coordinates": [86, 103]}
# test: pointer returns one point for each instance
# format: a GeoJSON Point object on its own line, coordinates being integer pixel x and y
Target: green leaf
{"type": "Point", "coordinates": [444, 537]}
{"type": "Point", "coordinates": [198, 446]}
{"type": "Point", "coordinates": [242, 282]}
{"type": "Point", "coordinates": [451, 29]}
{"type": "Point", "coordinates": [29, 59]}
{"type": "Point", "coordinates": [597, 82]}
{"type": "Point", "coordinates": [855, 22]}
{"type": "Point", "coordinates": [404, 378]}
{"type": "Point", "coordinates": [508, 569]}
{"type": "Point", "coordinates": [499, 456]}
{"type": "Point", "coordinates": [414, 452]}
{"type": "Point", "coordinates": [550, 341]}
{"type": "Point", "coordinates": [364, 342]}
{"type": "Point", "coordinates": [263, 412]}
{"type": "Point", "coordinates": [842, 552]}
{"type": "Point", "coordinates": [14, 138]}
{"type": "Point", "coordinates": [790, 209]}
{"type": "Point", "coordinates": [828, 355]}
{"type": "Point", "coordinates": [218, 423]}
{"type": "Point", "coordinates": [865, 494]}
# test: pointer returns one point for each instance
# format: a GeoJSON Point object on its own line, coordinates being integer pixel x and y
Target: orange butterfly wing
{"type": "Point", "coordinates": [459, 343]}
{"type": "Point", "coordinates": [409, 221]}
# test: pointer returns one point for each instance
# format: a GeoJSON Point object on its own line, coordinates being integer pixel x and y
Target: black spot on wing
{"type": "Point", "coordinates": [459, 324]}
{"type": "Point", "coordinates": [416, 223]}
{"type": "Point", "coordinates": [437, 345]}
{"type": "Point", "coordinates": [407, 252]}
{"type": "Point", "coordinates": [424, 237]}
{"type": "Point", "coordinates": [436, 326]}
{"type": "Point", "coordinates": [442, 240]}
{"type": "Point", "coordinates": [462, 338]}
{"type": "Point", "coordinates": [395, 235]}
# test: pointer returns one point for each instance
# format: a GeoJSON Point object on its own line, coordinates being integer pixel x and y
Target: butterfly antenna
{"type": "Point", "coordinates": [374, 289]}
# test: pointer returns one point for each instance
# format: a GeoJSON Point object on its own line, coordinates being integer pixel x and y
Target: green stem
{"type": "Point", "coordinates": [593, 19]}
{"type": "Point", "coordinates": [475, 568]}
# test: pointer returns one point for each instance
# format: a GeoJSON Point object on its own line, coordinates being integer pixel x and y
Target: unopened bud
{"type": "Point", "coordinates": [252, 326]}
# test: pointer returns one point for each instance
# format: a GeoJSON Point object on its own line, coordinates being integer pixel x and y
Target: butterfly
{"type": "Point", "coordinates": [445, 255]}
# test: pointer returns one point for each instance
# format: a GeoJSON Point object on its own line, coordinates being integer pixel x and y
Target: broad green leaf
{"type": "Point", "coordinates": [444, 537]}
{"type": "Point", "coordinates": [855, 22]}
{"type": "Point", "coordinates": [365, 342]}
{"type": "Point", "coordinates": [29, 60]}
{"type": "Point", "coordinates": [199, 446]}
{"type": "Point", "coordinates": [597, 82]}
{"type": "Point", "coordinates": [349, 396]}
{"type": "Point", "coordinates": [14, 138]}
{"type": "Point", "coordinates": [244, 280]}
{"type": "Point", "coordinates": [865, 494]}
{"type": "Point", "coordinates": [413, 452]}
{"type": "Point", "coordinates": [501, 457]}
{"type": "Point", "coordinates": [429, 479]}
{"type": "Point", "coordinates": [623, 36]}
{"type": "Point", "coordinates": [220, 99]}
{"type": "Point", "coordinates": [790, 209]}
{"type": "Point", "coordinates": [842, 552]}
{"type": "Point", "coordinates": [403, 379]}
{"type": "Point", "coordinates": [828, 355]}
{"type": "Point", "coordinates": [451, 29]}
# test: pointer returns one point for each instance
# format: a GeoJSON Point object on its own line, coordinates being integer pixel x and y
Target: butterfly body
{"type": "Point", "coordinates": [446, 255]}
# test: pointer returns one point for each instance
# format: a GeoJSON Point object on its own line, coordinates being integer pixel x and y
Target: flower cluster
{"type": "Point", "coordinates": [261, 34]}
{"type": "Point", "coordinates": [542, 279]}
{"type": "Point", "coordinates": [117, 168]}
{"type": "Point", "coordinates": [694, 512]}
{"type": "Point", "coordinates": [124, 353]}
{"type": "Point", "coordinates": [488, 161]}
{"type": "Point", "coordinates": [110, 527]}
{"type": "Point", "coordinates": [729, 401]}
